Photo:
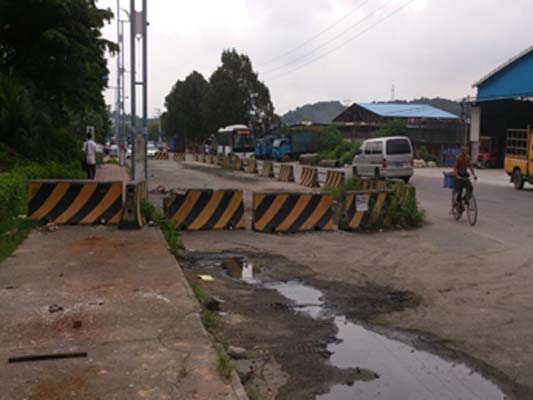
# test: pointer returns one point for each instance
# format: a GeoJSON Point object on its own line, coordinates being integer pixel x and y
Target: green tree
{"type": "Point", "coordinates": [56, 49]}
{"type": "Point", "coordinates": [237, 96]}
{"type": "Point", "coordinates": [153, 129]}
{"type": "Point", "coordinates": [395, 127]}
{"type": "Point", "coordinates": [184, 118]}
{"type": "Point", "coordinates": [25, 128]}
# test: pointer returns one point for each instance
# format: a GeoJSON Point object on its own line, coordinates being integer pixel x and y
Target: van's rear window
{"type": "Point", "coordinates": [398, 146]}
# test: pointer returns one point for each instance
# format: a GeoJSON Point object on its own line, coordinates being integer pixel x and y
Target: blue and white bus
{"type": "Point", "coordinates": [235, 139]}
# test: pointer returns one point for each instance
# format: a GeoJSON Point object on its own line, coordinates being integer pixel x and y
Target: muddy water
{"type": "Point", "coordinates": [404, 372]}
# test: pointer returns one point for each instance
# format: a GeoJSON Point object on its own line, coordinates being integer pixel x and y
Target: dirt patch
{"type": "Point", "coordinates": [286, 351]}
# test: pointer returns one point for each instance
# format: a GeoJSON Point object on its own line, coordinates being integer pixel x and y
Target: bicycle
{"type": "Point", "coordinates": [468, 200]}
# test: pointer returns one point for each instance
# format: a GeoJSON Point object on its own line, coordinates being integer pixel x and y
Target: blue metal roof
{"type": "Point", "coordinates": [407, 110]}
{"type": "Point", "coordinates": [510, 80]}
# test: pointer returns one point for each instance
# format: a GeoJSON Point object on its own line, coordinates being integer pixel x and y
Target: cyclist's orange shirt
{"type": "Point", "coordinates": [462, 163]}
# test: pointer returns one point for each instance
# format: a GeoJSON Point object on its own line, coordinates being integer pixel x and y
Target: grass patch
{"type": "Point", "coordinates": [167, 226]}
{"type": "Point", "coordinates": [209, 320]}
{"type": "Point", "coordinates": [14, 231]}
{"type": "Point", "coordinates": [14, 197]}
{"type": "Point", "coordinates": [225, 366]}
{"type": "Point", "coordinates": [200, 295]}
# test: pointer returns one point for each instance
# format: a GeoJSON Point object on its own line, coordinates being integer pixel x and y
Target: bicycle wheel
{"type": "Point", "coordinates": [471, 210]}
{"type": "Point", "coordinates": [455, 207]}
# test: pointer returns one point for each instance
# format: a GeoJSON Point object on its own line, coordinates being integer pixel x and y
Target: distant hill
{"type": "Point", "coordinates": [322, 112]}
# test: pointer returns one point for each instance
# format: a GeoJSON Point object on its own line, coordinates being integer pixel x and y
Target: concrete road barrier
{"type": "Point", "coordinates": [309, 177]}
{"type": "Point", "coordinates": [251, 167]}
{"type": "Point", "coordinates": [75, 202]}
{"type": "Point", "coordinates": [196, 157]}
{"type": "Point", "coordinates": [335, 179]}
{"type": "Point", "coordinates": [292, 212]}
{"type": "Point", "coordinates": [239, 164]}
{"type": "Point", "coordinates": [178, 156]}
{"type": "Point", "coordinates": [161, 155]}
{"type": "Point", "coordinates": [363, 209]}
{"type": "Point", "coordinates": [202, 157]}
{"type": "Point", "coordinates": [286, 173]}
{"type": "Point", "coordinates": [268, 169]}
{"type": "Point", "coordinates": [132, 216]}
{"type": "Point", "coordinates": [199, 209]}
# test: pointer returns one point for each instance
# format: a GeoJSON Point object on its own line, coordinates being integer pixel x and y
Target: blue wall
{"type": "Point", "coordinates": [513, 81]}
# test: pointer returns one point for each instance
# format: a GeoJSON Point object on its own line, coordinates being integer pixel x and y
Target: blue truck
{"type": "Point", "coordinates": [293, 144]}
{"type": "Point", "coordinates": [263, 147]}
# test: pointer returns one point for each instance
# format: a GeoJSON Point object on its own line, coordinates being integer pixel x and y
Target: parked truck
{"type": "Point", "coordinates": [263, 147]}
{"type": "Point", "coordinates": [518, 161]}
{"type": "Point", "coordinates": [293, 144]}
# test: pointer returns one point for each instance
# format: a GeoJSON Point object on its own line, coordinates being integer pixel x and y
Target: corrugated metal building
{"type": "Point", "coordinates": [438, 130]}
{"type": "Point", "coordinates": [503, 102]}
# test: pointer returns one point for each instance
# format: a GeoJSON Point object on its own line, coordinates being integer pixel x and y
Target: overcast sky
{"type": "Point", "coordinates": [426, 48]}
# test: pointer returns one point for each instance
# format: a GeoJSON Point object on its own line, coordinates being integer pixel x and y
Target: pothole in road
{"type": "Point", "coordinates": [397, 369]}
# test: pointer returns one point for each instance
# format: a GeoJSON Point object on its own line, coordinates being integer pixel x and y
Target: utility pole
{"type": "Point", "coordinates": [119, 91]}
{"type": "Point", "coordinates": [133, 24]}
{"type": "Point", "coordinates": [139, 28]}
{"type": "Point", "coordinates": [145, 86]}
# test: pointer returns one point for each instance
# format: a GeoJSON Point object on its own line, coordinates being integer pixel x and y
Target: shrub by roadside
{"type": "Point", "coordinates": [14, 227]}
{"type": "Point", "coordinates": [402, 209]}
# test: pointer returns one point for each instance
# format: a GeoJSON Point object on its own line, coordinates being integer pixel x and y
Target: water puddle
{"type": "Point", "coordinates": [404, 372]}
{"type": "Point", "coordinates": [239, 268]}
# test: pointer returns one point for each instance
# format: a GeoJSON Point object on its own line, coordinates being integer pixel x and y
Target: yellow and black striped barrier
{"type": "Point", "coordinates": [197, 210]}
{"type": "Point", "coordinates": [309, 177]}
{"type": "Point", "coordinates": [239, 164]}
{"type": "Point", "coordinates": [286, 173]}
{"type": "Point", "coordinates": [132, 216]}
{"type": "Point", "coordinates": [268, 169]}
{"type": "Point", "coordinates": [251, 167]}
{"type": "Point", "coordinates": [75, 202]}
{"type": "Point", "coordinates": [178, 156]}
{"type": "Point", "coordinates": [161, 155]}
{"type": "Point", "coordinates": [292, 212]}
{"type": "Point", "coordinates": [335, 179]}
{"type": "Point", "coordinates": [363, 209]}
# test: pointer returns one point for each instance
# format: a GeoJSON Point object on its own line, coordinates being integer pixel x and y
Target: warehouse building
{"type": "Point", "coordinates": [441, 132]}
{"type": "Point", "coordinates": [503, 101]}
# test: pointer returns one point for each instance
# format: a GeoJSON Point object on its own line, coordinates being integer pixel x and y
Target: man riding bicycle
{"type": "Point", "coordinates": [462, 181]}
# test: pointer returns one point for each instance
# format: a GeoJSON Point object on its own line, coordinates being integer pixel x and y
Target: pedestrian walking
{"type": "Point", "coordinates": [89, 151]}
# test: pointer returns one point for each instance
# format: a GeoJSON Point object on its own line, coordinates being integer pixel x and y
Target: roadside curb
{"type": "Point", "coordinates": [237, 387]}
{"type": "Point", "coordinates": [235, 382]}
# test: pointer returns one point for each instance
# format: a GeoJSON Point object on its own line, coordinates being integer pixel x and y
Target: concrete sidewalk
{"type": "Point", "coordinates": [121, 297]}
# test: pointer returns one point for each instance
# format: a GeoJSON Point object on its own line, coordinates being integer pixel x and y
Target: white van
{"type": "Point", "coordinates": [383, 158]}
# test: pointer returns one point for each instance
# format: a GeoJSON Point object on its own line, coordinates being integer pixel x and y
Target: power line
{"type": "Point", "coordinates": [309, 53]}
{"type": "Point", "coordinates": [397, 10]}
{"type": "Point", "coordinates": [330, 27]}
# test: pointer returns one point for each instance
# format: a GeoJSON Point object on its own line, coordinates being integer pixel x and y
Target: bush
{"type": "Point", "coordinates": [329, 138]}
{"type": "Point", "coordinates": [424, 154]}
{"type": "Point", "coordinates": [402, 210]}
{"type": "Point", "coordinates": [14, 198]}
